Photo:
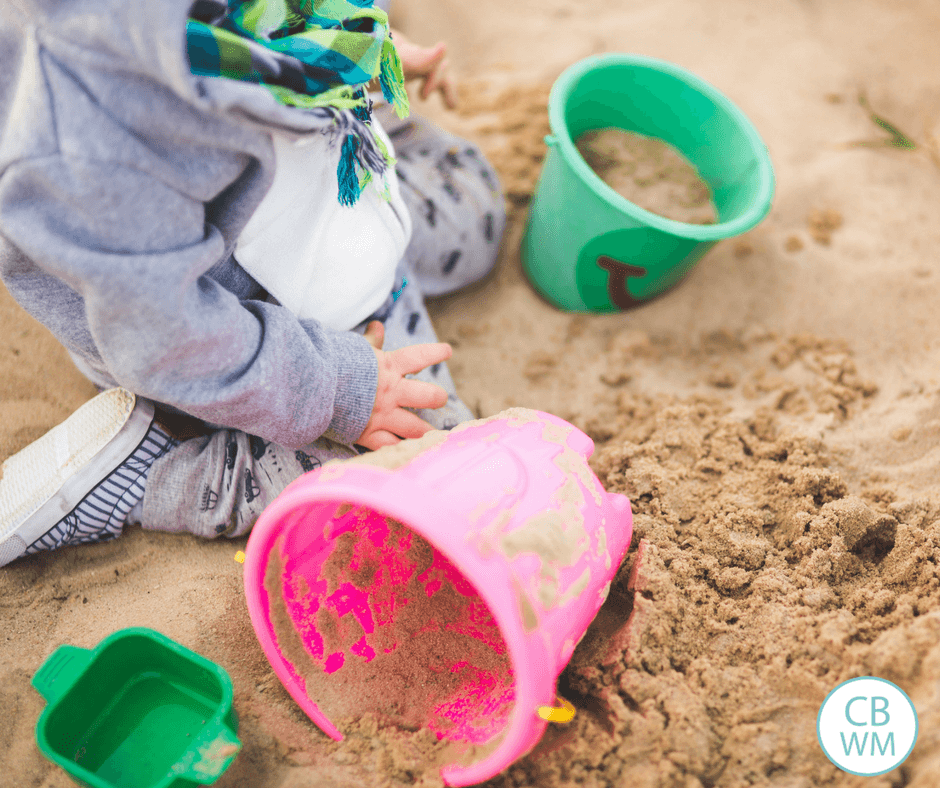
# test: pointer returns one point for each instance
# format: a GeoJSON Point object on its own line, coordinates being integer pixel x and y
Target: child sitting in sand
{"type": "Point", "coordinates": [233, 239]}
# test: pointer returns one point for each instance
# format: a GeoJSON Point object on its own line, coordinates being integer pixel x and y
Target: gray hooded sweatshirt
{"type": "Point", "coordinates": [125, 181]}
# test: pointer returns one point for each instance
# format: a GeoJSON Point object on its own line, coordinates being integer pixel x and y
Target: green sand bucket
{"type": "Point", "coordinates": [587, 248]}
{"type": "Point", "coordinates": [137, 711]}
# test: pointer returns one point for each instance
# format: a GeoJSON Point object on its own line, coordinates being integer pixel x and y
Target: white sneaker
{"type": "Point", "coordinates": [77, 482]}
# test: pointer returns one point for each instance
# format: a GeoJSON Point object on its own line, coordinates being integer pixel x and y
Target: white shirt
{"type": "Point", "coordinates": [320, 259]}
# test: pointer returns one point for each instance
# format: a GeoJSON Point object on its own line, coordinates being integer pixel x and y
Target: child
{"type": "Point", "coordinates": [200, 202]}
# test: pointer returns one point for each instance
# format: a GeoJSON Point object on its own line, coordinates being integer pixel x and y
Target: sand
{"type": "Point", "coordinates": [649, 172]}
{"type": "Point", "coordinates": [402, 672]}
{"type": "Point", "coordinates": [775, 420]}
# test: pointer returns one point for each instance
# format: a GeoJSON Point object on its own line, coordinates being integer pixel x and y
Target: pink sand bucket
{"type": "Point", "coordinates": [445, 591]}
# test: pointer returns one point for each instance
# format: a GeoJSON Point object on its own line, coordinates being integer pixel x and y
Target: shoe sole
{"type": "Point", "coordinates": [43, 482]}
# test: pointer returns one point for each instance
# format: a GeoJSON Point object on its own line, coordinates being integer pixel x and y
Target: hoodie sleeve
{"type": "Point", "coordinates": [137, 251]}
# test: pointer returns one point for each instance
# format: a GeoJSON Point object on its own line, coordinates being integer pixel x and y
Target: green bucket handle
{"type": "Point", "coordinates": [60, 671]}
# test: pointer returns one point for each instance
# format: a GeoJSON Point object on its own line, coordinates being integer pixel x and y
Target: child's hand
{"type": "Point", "coordinates": [429, 65]}
{"type": "Point", "coordinates": [390, 422]}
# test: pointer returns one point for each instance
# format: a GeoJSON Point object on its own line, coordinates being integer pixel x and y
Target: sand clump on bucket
{"type": "Point", "coordinates": [648, 172]}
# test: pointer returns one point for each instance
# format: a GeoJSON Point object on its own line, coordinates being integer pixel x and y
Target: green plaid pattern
{"type": "Point", "coordinates": [312, 54]}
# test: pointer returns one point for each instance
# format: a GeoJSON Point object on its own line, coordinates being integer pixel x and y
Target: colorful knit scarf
{"type": "Point", "coordinates": [314, 54]}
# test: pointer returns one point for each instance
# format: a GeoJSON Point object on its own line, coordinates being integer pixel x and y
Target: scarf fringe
{"type": "Point", "coordinates": [392, 79]}
{"type": "Point", "coordinates": [363, 155]}
{"type": "Point", "coordinates": [349, 187]}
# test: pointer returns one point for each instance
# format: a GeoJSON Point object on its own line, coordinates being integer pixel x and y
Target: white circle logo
{"type": "Point", "coordinates": [867, 726]}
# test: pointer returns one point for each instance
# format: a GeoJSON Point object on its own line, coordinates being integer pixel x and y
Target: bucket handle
{"type": "Point", "coordinates": [551, 140]}
{"type": "Point", "coordinates": [58, 673]}
{"type": "Point", "coordinates": [562, 713]}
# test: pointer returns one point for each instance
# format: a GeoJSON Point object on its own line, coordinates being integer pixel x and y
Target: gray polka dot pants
{"type": "Point", "coordinates": [456, 206]}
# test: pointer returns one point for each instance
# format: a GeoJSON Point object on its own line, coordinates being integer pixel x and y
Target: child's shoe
{"type": "Point", "coordinates": [78, 482]}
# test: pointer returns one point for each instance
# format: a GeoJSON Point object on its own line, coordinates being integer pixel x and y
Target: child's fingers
{"type": "Point", "coordinates": [449, 91]}
{"type": "Point", "coordinates": [427, 87]}
{"type": "Point", "coordinates": [434, 80]}
{"type": "Point", "coordinates": [420, 394]}
{"type": "Point", "coordinates": [377, 439]}
{"type": "Point", "coordinates": [409, 360]}
{"type": "Point", "coordinates": [375, 334]}
{"type": "Point", "coordinates": [405, 424]}
{"type": "Point", "coordinates": [426, 61]}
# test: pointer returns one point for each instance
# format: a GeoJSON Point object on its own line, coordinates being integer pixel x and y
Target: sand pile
{"type": "Point", "coordinates": [775, 421]}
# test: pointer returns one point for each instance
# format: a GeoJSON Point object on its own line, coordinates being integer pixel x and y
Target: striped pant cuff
{"type": "Point", "coordinates": [101, 514]}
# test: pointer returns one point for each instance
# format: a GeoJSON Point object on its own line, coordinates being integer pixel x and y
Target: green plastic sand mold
{"type": "Point", "coordinates": [137, 711]}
